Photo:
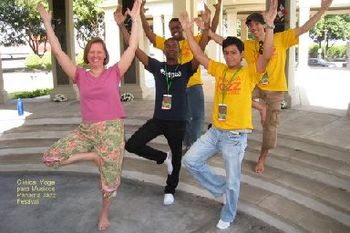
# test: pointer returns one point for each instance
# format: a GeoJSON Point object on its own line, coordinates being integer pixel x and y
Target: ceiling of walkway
{"type": "Point", "coordinates": [246, 6]}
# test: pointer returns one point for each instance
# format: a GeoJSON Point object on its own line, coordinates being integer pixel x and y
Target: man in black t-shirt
{"type": "Point", "coordinates": [169, 118]}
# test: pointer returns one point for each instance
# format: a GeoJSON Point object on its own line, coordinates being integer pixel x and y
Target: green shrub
{"type": "Point", "coordinates": [33, 61]}
{"type": "Point", "coordinates": [46, 61]}
{"type": "Point", "coordinates": [313, 50]}
{"type": "Point", "coordinates": [29, 94]}
{"type": "Point", "coordinates": [336, 52]}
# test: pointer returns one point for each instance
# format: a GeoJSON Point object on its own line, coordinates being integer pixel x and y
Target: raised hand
{"type": "Point", "coordinates": [204, 21]}
{"type": "Point", "coordinates": [184, 20]}
{"type": "Point", "coordinates": [118, 16]}
{"type": "Point", "coordinates": [217, 6]}
{"type": "Point", "coordinates": [206, 15]}
{"type": "Point", "coordinates": [143, 9]}
{"type": "Point", "coordinates": [45, 15]}
{"type": "Point", "coordinates": [199, 22]}
{"type": "Point", "coordinates": [325, 4]}
{"type": "Point", "coordinates": [135, 12]}
{"type": "Point", "coordinates": [270, 14]}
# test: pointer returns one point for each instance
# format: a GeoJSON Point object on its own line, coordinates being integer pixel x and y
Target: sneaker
{"type": "Point", "coordinates": [168, 163]}
{"type": "Point", "coordinates": [168, 199]}
{"type": "Point", "coordinates": [222, 225]}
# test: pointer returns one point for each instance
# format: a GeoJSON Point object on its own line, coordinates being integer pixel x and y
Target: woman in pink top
{"type": "Point", "coordinates": [100, 137]}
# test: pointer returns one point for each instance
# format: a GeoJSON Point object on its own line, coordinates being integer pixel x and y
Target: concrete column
{"type": "Point", "coordinates": [348, 66]}
{"type": "Point", "coordinates": [64, 30]}
{"type": "Point", "coordinates": [348, 54]}
{"type": "Point", "coordinates": [213, 50]}
{"type": "Point", "coordinates": [244, 30]}
{"type": "Point", "coordinates": [231, 15]}
{"type": "Point", "coordinates": [181, 5]}
{"type": "Point", "coordinates": [167, 19]}
{"type": "Point", "coordinates": [112, 39]}
{"type": "Point", "coordinates": [3, 93]}
{"type": "Point", "coordinates": [158, 25]}
{"type": "Point", "coordinates": [293, 95]}
{"type": "Point", "coordinates": [304, 15]}
{"type": "Point", "coordinates": [132, 81]}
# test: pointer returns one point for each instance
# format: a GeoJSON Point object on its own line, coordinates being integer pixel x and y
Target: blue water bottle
{"type": "Point", "coordinates": [20, 109]}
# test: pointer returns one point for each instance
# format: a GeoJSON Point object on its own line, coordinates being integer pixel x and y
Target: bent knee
{"type": "Point", "coordinates": [190, 163]}
{"type": "Point", "coordinates": [186, 161]}
{"type": "Point", "coordinates": [130, 146]}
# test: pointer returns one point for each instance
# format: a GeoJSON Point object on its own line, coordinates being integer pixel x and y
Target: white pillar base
{"type": "Point", "coordinates": [292, 98]}
{"type": "Point", "coordinates": [137, 91]}
{"type": "Point", "coordinates": [68, 91]}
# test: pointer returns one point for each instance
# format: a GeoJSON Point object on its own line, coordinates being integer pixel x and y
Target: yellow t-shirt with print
{"type": "Point", "coordinates": [238, 97]}
{"type": "Point", "coordinates": [276, 67]}
{"type": "Point", "coordinates": [185, 56]}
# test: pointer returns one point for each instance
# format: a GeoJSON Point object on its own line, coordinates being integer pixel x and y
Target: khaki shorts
{"type": "Point", "coordinates": [273, 101]}
{"type": "Point", "coordinates": [106, 138]}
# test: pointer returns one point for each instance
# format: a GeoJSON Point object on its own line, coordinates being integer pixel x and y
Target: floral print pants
{"type": "Point", "coordinates": [105, 138]}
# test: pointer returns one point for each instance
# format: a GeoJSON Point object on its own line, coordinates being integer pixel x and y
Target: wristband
{"type": "Point", "coordinates": [269, 26]}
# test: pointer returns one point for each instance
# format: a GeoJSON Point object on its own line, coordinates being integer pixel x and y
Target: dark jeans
{"type": "Point", "coordinates": [174, 132]}
{"type": "Point", "coordinates": [195, 114]}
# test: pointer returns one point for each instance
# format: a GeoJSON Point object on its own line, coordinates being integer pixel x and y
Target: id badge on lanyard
{"type": "Point", "coordinates": [222, 112]}
{"type": "Point", "coordinates": [166, 102]}
{"type": "Point", "coordinates": [222, 108]}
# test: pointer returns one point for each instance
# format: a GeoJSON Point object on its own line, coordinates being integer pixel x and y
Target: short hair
{"type": "Point", "coordinates": [173, 20]}
{"type": "Point", "coordinates": [172, 38]}
{"type": "Point", "coordinates": [88, 47]}
{"type": "Point", "coordinates": [232, 40]}
{"type": "Point", "coordinates": [257, 17]}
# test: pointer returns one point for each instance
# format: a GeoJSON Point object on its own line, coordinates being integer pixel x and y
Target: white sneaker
{"type": "Point", "coordinates": [168, 199]}
{"type": "Point", "coordinates": [168, 163]}
{"type": "Point", "coordinates": [222, 225]}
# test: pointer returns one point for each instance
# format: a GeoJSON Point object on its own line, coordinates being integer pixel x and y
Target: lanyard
{"type": "Point", "coordinates": [224, 87]}
{"type": "Point", "coordinates": [259, 47]}
{"type": "Point", "coordinates": [169, 80]}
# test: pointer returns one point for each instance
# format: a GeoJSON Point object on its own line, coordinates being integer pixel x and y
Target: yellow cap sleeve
{"type": "Point", "coordinates": [160, 42]}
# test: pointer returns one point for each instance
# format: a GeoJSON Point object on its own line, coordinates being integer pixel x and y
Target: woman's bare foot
{"type": "Point", "coordinates": [103, 223]}
{"type": "Point", "coordinates": [260, 166]}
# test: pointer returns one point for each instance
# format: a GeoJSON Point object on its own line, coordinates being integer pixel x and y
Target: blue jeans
{"type": "Point", "coordinates": [195, 114]}
{"type": "Point", "coordinates": [232, 147]}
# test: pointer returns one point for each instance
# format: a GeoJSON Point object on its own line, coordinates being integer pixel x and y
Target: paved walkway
{"type": "Point", "coordinates": [137, 209]}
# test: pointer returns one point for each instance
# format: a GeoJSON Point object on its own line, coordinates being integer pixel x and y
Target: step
{"type": "Point", "coordinates": [304, 145]}
{"type": "Point", "coordinates": [305, 170]}
{"type": "Point", "coordinates": [326, 164]}
{"type": "Point", "coordinates": [330, 175]}
{"type": "Point", "coordinates": [298, 168]}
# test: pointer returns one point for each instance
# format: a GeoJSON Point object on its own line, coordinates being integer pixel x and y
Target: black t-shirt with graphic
{"type": "Point", "coordinates": [178, 76]}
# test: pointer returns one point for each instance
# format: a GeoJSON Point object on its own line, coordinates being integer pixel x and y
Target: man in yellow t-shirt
{"type": "Point", "coordinates": [194, 91]}
{"type": "Point", "coordinates": [231, 116]}
{"type": "Point", "coordinates": [273, 86]}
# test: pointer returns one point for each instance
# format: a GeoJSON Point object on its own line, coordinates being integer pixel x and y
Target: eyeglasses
{"type": "Point", "coordinates": [261, 47]}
